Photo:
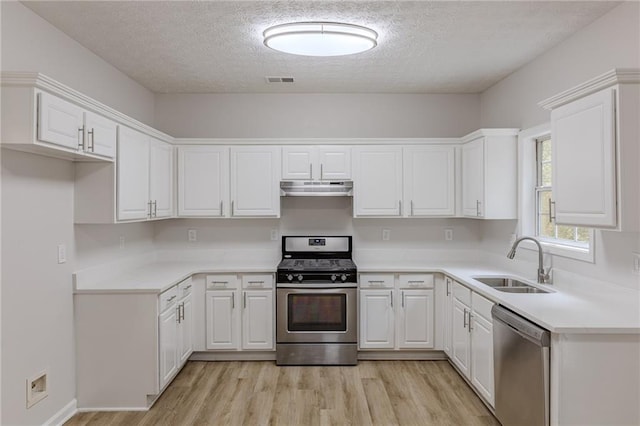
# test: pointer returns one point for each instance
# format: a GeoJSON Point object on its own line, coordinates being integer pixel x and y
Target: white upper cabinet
{"type": "Point", "coordinates": [595, 132]}
{"type": "Point", "coordinates": [161, 178]}
{"type": "Point", "coordinates": [100, 135]}
{"type": "Point", "coordinates": [203, 181]}
{"type": "Point", "coordinates": [316, 162]}
{"type": "Point", "coordinates": [429, 181]}
{"type": "Point", "coordinates": [255, 181]}
{"type": "Point", "coordinates": [133, 175]}
{"type": "Point", "coordinates": [489, 174]}
{"type": "Point", "coordinates": [377, 181]}
{"type": "Point", "coordinates": [60, 122]}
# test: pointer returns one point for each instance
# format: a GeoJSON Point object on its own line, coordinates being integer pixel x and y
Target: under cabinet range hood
{"type": "Point", "coordinates": [316, 189]}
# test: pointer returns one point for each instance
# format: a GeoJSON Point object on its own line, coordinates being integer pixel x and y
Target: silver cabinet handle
{"type": "Point", "coordinates": [231, 207]}
{"type": "Point", "coordinates": [411, 208]}
{"type": "Point", "coordinates": [310, 171]}
{"type": "Point", "coordinates": [465, 319]}
{"type": "Point", "coordinates": [233, 300]}
{"type": "Point", "coordinates": [552, 216]}
{"type": "Point", "coordinates": [244, 301]}
{"type": "Point", "coordinates": [448, 287]}
{"type": "Point", "coordinates": [402, 298]}
{"type": "Point", "coordinates": [391, 293]}
{"type": "Point", "coordinates": [470, 327]}
{"type": "Point", "coordinates": [221, 210]}
{"type": "Point", "coordinates": [155, 208]}
{"type": "Point", "coordinates": [416, 282]}
{"type": "Point", "coordinates": [178, 314]}
{"type": "Point", "coordinates": [93, 140]}
{"type": "Point", "coordinates": [376, 283]}
{"type": "Point", "coordinates": [400, 207]}
{"type": "Point", "coordinates": [150, 203]}
{"type": "Point", "coordinates": [255, 283]}
{"type": "Point", "coordinates": [321, 171]}
{"type": "Point", "coordinates": [182, 311]}
{"type": "Point", "coordinates": [188, 287]}
{"type": "Point", "coordinates": [81, 138]}
{"type": "Point", "coordinates": [478, 208]}
{"type": "Point", "coordinates": [171, 298]}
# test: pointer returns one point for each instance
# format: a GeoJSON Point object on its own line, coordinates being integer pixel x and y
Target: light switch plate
{"type": "Point", "coordinates": [636, 263]}
{"type": "Point", "coordinates": [193, 235]}
{"type": "Point", "coordinates": [386, 234]}
{"type": "Point", "coordinates": [62, 253]}
{"type": "Point", "coordinates": [274, 234]}
{"type": "Point", "coordinates": [448, 234]}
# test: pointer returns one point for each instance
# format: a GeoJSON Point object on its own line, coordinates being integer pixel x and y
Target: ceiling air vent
{"type": "Point", "coordinates": [279, 79]}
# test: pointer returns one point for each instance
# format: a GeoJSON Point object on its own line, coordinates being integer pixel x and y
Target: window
{"type": "Point", "coordinates": [546, 228]}
{"type": "Point", "coordinates": [535, 187]}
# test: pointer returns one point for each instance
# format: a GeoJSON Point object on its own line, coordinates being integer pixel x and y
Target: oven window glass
{"type": "Point", "coordinates": [317, 312]}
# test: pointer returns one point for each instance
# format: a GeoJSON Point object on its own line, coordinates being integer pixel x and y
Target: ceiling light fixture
{"type": "Point", "coordinates": [320, 38]}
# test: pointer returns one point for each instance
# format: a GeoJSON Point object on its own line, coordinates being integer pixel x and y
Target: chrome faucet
{"type": "Point", "coordinates": [543, 277]}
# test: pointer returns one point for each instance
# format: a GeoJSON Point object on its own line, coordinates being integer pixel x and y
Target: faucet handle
{"type": "Point", "coordinates": [546, 276]}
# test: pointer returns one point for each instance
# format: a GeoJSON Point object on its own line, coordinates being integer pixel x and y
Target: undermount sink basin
{"type": "Point", "coordinates": [509, 285]}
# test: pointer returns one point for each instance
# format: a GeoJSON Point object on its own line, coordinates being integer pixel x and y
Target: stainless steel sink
{"type": "Point", "coordinates": [509, 285]}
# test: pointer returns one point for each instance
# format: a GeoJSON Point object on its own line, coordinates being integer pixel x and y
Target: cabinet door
{"type": "Point", "coordinates": [584, 171]}
{"type": "Point", "coordinates": [203, 181]}
{"type": "Point", "coordinates": [378, 181]}
{"type": "Point", "coordinates": [461, 341]}
{"type": "Point", "coordinates": [101, 135]}
{"type": "Point", "coordinates": [448, 308]}
{"type": "Point", "coordinates": [298, 162]}
{"type": "Point", "coordinates": [133, 175]}
{"type": "Point", "coordinates": [60, 122]}
{"type": "Point", "coordinates": [416, 317]}
{"type": "Point", "coordinates": [429, 181]}
{"type": "Point", "coordinates": [161, 178]}
{"type": "Point", "coordinates": [168, 345]}
{"type": "Point", "coordinates": [334, 162]}
{"type": "Point", "coordinates": [185, 330]}
{"type": "Point", "coordinates": [257, 319]}
{"type": "Point", "coordinates": [223, 320]}
{"type": "Point", "coordinates": [255, 181]}
{"type": "Point", "coordinates": [482, 357]}
{"type": "Point", "coordinates": [376, 319]}
{"type": "Point", "coordinates": [473, 178]}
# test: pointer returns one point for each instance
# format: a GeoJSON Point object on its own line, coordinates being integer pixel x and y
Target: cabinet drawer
{"type": "Point", "coordinates": [481, 306]}
{"type": "Point", "coordinates": [376, 280]}
{"type": "Point", "coordinates": [184, 288]}
{"type": "Point", "coordinates": [462, 293]}
{"type": "Point", "coordinates": [257, 281]}
{"type": "Point", "coordinates": [416, 280]}
{"type": "Point", "coordinates": [168, 298]}
{"type": "Point", "coordinates": [221, 282]}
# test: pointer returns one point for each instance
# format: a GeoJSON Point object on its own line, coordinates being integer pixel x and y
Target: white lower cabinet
{"type": "Point", "coordinates": [240, 317]}
{"type": "Point", "coordinates": [168, 344]}
{"type": "Point", "coordinates": [472, 339]}
{"type": "Point", "coordinates": [396, 311]}
{"type": "Point", "coordinates": [448, 310]}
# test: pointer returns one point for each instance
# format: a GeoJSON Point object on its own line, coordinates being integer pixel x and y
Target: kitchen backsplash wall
{"type": "Point", "coordinates": [410, 239]}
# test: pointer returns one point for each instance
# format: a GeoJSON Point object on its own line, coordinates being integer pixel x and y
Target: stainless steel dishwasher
{"type": "Point", "coordinates": [521, 369]}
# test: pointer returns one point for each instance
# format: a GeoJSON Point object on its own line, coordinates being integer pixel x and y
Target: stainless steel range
{"type": "Point", "coordinates": [316, 302]}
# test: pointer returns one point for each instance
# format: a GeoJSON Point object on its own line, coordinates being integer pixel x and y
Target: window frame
{"type": "Point", "coordinates": [528, 199]}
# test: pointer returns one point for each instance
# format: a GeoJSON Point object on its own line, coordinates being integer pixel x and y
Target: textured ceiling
{"type": "Point", "coordinates": [216, 46]}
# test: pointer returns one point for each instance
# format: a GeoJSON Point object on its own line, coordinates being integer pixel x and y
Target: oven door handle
{"type": "Point", "coordinates": [317, 286]}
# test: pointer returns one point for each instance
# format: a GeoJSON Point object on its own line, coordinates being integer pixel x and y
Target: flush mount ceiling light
{"type": "Point", "coordinates": [320, 38]}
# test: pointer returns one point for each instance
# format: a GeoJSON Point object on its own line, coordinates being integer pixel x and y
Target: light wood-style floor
{"type": "Point", "coordinates": [260, 393]}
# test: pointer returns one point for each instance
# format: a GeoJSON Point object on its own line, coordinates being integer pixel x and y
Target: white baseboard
{"type": "Point", "coordinates": [92, 409]}
{"type": "Point", "coordinates": [63, 415]}
{"type": "Point", "coordinates": [234, 356]}
{"type": "Point", "coordinates": [401, 355]}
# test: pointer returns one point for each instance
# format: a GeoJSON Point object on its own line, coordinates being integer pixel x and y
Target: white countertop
{"type": "Point", "coordinates": [605, 309]}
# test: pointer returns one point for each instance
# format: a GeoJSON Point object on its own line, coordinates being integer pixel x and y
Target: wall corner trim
{"type": "Point", "coordinates": [608, 79]}
{"type": "Point", "coordinates": [63, 415]}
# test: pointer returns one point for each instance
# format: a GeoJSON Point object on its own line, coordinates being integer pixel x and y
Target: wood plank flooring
{"type": "Point", "coordinates": [260, 393]}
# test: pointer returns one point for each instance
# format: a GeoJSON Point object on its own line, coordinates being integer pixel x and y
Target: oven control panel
{"type": "Point", "coordinates": [316, 278]}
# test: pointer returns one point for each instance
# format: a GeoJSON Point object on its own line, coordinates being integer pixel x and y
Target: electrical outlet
{"type": "Point", "coordinates": [62, 253]}
{"type": "Point", "coordinates": [386, 234]}
{"type": "Point", "coordinates": [448, 234]}
{"type": "Point", "coordinates": [636, 263]}
{"type": "Point", "coordinates": [274, 234]}
{"type": "Point", "coordinates": [121, 241]}
{"type": "Point", "coordinates": [37, 388]}
{"type": "Point", "coordinates": [193, 235]}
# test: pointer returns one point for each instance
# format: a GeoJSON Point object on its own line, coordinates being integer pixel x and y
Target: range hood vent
{"type": "Point", "coordinates": [316, 189]}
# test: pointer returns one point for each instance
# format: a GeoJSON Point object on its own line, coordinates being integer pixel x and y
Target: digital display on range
{"type": "Point", "coordinates": [317, 241]}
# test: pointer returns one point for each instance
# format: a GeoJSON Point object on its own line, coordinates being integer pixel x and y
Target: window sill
{"type": "Point", "coordinates": [576, 253]}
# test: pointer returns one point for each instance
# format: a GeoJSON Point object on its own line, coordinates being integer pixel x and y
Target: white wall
{"type": "Point", "coordinates": [243, 239]}
{"type": "Point", "coordinates": [613, 41]}
{"type": "Point", "coordinates": [37, 215]}
{"type": "Point", "coordinates": [316, 115]}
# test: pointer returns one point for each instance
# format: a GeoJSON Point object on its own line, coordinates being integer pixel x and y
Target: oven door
{"type": "Point", "coordinates": [316, 315]}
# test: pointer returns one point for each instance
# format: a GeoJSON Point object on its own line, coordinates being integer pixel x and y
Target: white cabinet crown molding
{"type": "Point", "coordinates": [43, 82]}
{"type": "Point", "coordinates": [489, 132]}
{"type": "Point", "coordinates": [608, 79]}
{"type": "Point", "coordinates": [315, 141]}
